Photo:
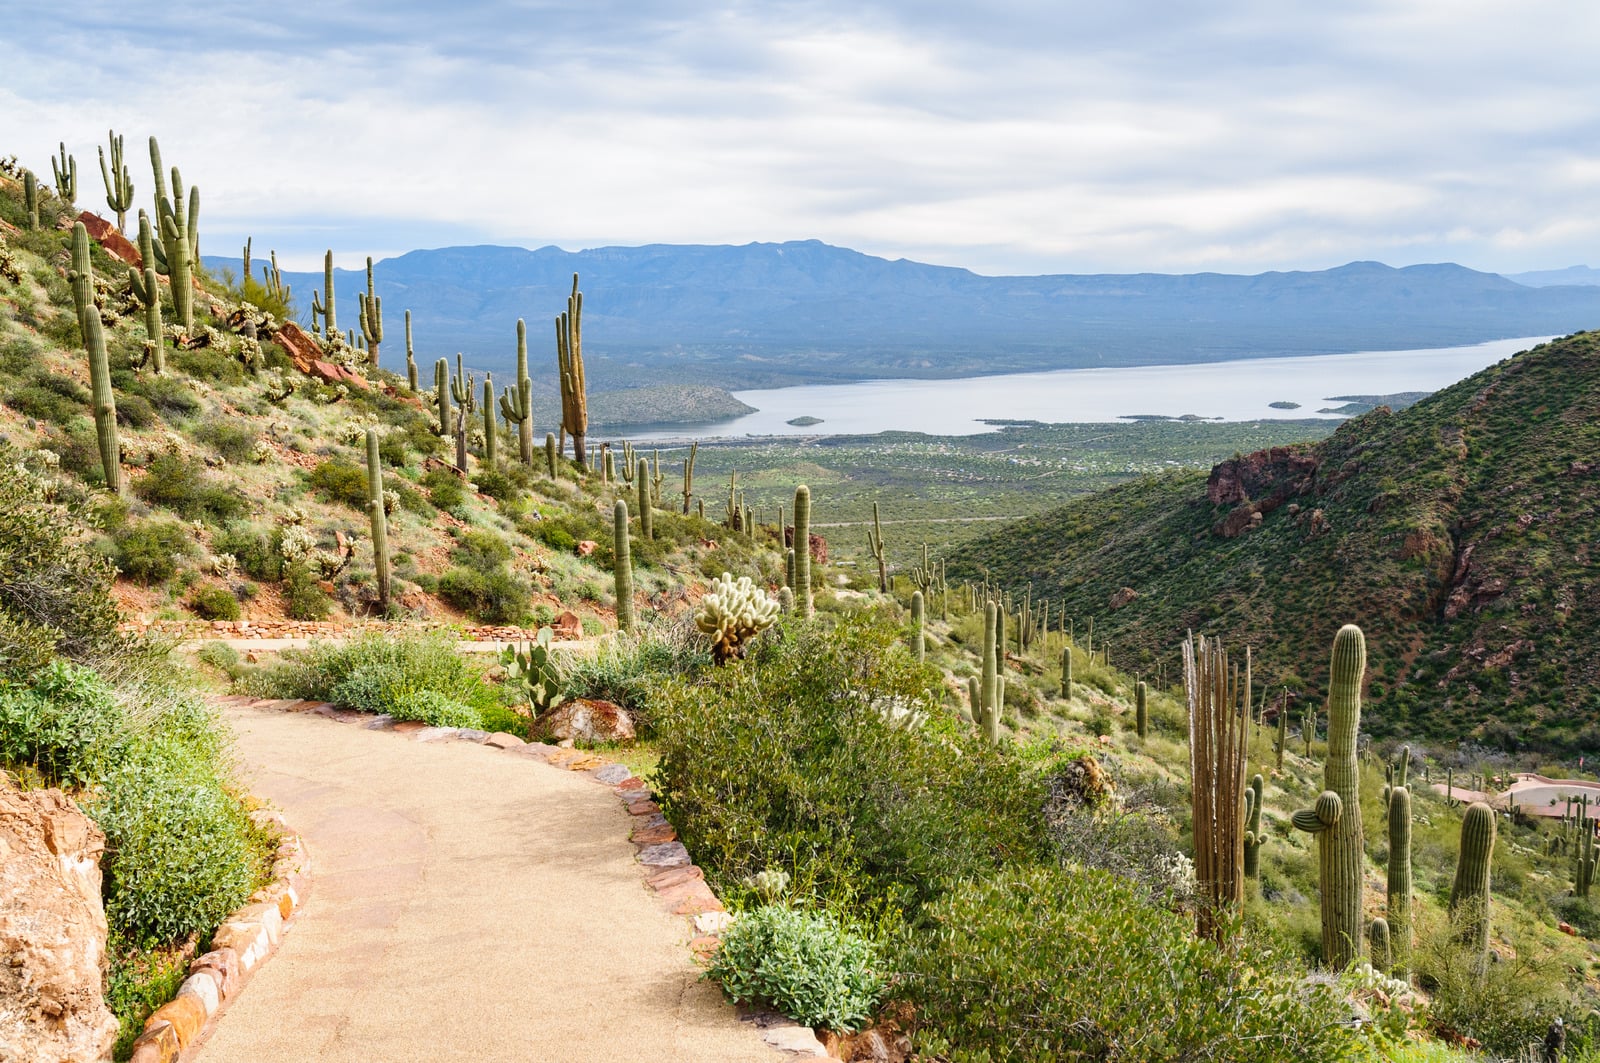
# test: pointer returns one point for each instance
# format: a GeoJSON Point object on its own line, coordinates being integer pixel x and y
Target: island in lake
{"type": "Point", "coordinates": [1284, 404]}
{"type": "Point", "coordinates": [803, 422]}
{"type": "Point", "coordinates": [1357, 404]}
{"type": "Point", "coordinates": [664, 404]}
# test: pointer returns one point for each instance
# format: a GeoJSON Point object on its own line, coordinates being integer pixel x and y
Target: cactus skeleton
{"type": "Point", "coordinates": [1216, 772]}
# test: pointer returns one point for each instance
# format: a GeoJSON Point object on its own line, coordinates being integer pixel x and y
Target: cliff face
{"type": "Point", "coordinates": [1460, 533]}
{"type": "Point", "coordinates": [52, 931]}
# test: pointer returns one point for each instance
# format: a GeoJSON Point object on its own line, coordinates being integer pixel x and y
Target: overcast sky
{"type": "Point", "coordinates": [1049, 137]}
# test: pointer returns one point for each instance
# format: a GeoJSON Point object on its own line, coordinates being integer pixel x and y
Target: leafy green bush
{"type": "Point", "coordinates": [182, 485]}
{"type": "Point", "coordinates": [629, 669]}
{"type": "Point", "coordinates": [382, 674]}
{"type": "Point", "coordinates": [805, 965]}
{"type": "Point", "coordinates": [48, 397]}
{"type": "Point", "coordinates": [231, 440]}
{"type": "Point", "coordinates": [481, 584]}
{"type": "Point", "coordinates": [1040, 964]}
{"type": "Point", "coordinates": [221, 656]}
{"type": "Point", "coordinates": [65, 724]}
{"type": "Point", "coordinates": [1506, 1005]}
{"type": "Point", "coordinates": [444, 488]}
{"type": "Point", "coordinates": [150, 551]}
{"type": "Point", "coordinates": [170, 396]}
{"type": "Point", "coordinates": [341, 481]}
{"type": "Point", "coordinates": [210, 602]}
{"type": "Point", "coordinates": [304, 598]}
{"type": "Point", "coordinates": [803, 759]}
{"type": "Point", "coordinates": [255, 550]}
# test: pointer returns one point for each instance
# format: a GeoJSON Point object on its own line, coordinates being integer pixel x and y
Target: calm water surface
{"type": "Point", "coordinates": [1233, 391]}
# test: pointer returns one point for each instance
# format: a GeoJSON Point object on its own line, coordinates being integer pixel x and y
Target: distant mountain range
{"type": "Point", "coordinates": [768, 315]}
{"type": "Point", "coordinates": [1544, 278]}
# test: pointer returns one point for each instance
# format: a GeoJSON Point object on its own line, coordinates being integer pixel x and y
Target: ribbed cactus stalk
{"type": "Point", "coordinates": [1469, 894]}
{"type": "Point", "coordinates": [1308, 729]}
{"type": "Point", "coordinates": [989, 713]}
{"type": "Point", "coordinates": [177, 238]}
{"type": "Point", "coordinates": [380, 522]}
{"type": "Point", "coordinates": [66, 171]}
{"type": "Point", "coordinates": [688, 485]}
{"type": "Point", "coordinates": [517, 405]}
{"type": "Point", "coordinates": [569, 362]}
{"type": "Point", "coordinates": [802, 550]}
{"type": "Point", "coordinates": [461, 389]}
{"type": "Point", "coordinates": [1339, 839]}
{"type": "Point", "coordinates": [1283, 733]}
{"type": "Point", "coordinates": [119, 186]}
{"type": "Point", "coordinates": [608, 465]}
{"type": "Point", "coordinates": [155, 339]}
{"type": "Point", "coordinates": [628, 458]}
{"type": "Point", "coordinates": [1379, 945]}
{"type": "Point", "coordinates": [974, 699]}
{"type": "Point", "coordinates": [1066, 671]}
{"type": "Point", "coordinates": [244, 262]}
{"type": "Point", "coordinates": [1399, 879]}
{"type": "Point", "coordinates": [918, 638]}
{"type": "Point", "coordinates": [655, 478]}
{"type": "Point", "coordinates": [875, 547]}
{"type": "Point", "coordinates": [551, 453]}
{"type": "Point", "coordinates": [1141, 710]}
{"type": "Point", "coordinates": [441, 387]}
{"type": "Point", "coordinates": [641, 481]}
{"type": "Point", "coordinates": [788, 568]}
{"type": "Point", "coordinates": [322, 303]}
{"type": "Point", "coordinates": [30, 197]}
{"type": "Point", "coordinates": [274, 281]}
{"type": "Point", "coordinates": [411, 358]}
{"type": "Point", "coordinates": [491, 430]}
{"type": "Point", "coordinates": [1253, 838]}
{"type": "Point", "coordinates": [622, 565]}
{"type": "Point", "coordinates": [371, 316]}
{"type": "Point", "coordinates": [1583, 879]}
{"type": "Point", "coordinates": [94, 342]}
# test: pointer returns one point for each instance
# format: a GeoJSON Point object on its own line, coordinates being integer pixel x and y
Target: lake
{"type": "Point", "coordinates": [1232, 391]}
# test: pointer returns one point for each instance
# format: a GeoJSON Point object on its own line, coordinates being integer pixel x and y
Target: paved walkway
{"type": "Point", "coordinates": [467, 904]}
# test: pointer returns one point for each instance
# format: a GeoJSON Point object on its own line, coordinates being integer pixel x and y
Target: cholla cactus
{"type": "Point", "coordinates": [224, 565]}
{"type": "Point", "coordinates": [769, 885]}
{"type": "Point", "coordinates": [733, 613]}
{"type": "Point", "coordinates": [297, 543]}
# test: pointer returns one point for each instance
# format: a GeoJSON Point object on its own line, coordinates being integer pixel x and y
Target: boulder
{"type": "Point", "coordinates": [585, 720]}
{"type": "Point", "coordinates": [52, 931]}
{"type": "Point", "coordinates": [115, 244]}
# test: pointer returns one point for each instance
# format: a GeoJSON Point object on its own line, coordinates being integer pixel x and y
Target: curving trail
{"type": "Point", "coordinates": [467, 904]}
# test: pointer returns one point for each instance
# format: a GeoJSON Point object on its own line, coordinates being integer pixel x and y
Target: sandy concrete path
{"type": "Point", "coordinates": [467, 904]}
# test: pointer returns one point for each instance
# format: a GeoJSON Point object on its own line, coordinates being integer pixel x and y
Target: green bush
{"type": "Point", "coordinates": [1506, 1005]}
{"type": "Point", "coordinates": [48, 397]}
{"type": "Point", "coordinates": [805, 965]}
{"type": "Point", "coordinates": [150, 551]}
{"type": "Point", "coordinates": [255, 550]}
{"type": "Point", "coordinates": [432, 708]}
{"type": "Point", "coordinates": [235, 442]}
{"type": "Point", "coordinates": [210, 602]}
{"type": "Point", "coordinates": [495, 596]}
{"type": "Point", "coordinates": [444, 488]}
{"type": "Point", "coordinates": [170, 396]}
{"type": "Point", "coordinates": [341, 481]}
{"type": "Point", "coordinates": [799, 759]}
{"type": "Point", "coordinates": [221, 656]}
{"type": "Point", "coordinates": [64, 724]}
{"type": "Point", "coordinates": [1040, 964]}
{"type": "Point", "coordinates": [304, 598]}
{"type": "Point", "coordinates": [182, 484]}
{"type": "Point", "coordinates": [629, 669]}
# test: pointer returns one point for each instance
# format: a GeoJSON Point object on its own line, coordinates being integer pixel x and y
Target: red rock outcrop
{"type": "Point", "coordinates": [106, 235]}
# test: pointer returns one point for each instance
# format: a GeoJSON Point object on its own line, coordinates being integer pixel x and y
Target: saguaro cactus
{"type": "Point", "coordinates": [1399, 878]}
{"type": "Point", "coordinates": [1469, 895]}
{"type": "Point", "coordinates": [918, 639]}
{"type": "Point", "coordinates": [30, 197]}
{"type": "Point", "coordinates": [380, 522]}
{"type": "Point", "coordinates": [1339, 837]}
{"type": "Point", "coordinates": [989, 715]}
{"type": "Point", "coordinates": [441, 386]}
{"type": "Point", "coordinates": [518, 405]}
{"type": "Point", "coordinates": [1283, 733]}
{"type": "Point", "coordinates": [66, 171]}
{"type": "Point", "coordinates": [94, 342]}
{"type": "Point", "coordinates": [1253, 838]}
{"type": "Point", "coordinates": [491, 431]}
{"type": "Point", "coordinates": [569, 361]}
{"type": "Point", "coordinates": [322, 303]}
{"type": "Point", "coordinates": [641, 481]}
{"type": "Point", "coordinates": [551, 453]}
{"type": "Point", "coordinates": [688, 485]}
{"type": "Point", "coordinates": [875, 547]}
{"type": "Point", "coordinates": [622, 565]}
{"type": "Point", "coordinates": [411, 358]}
{"type": "Point", "coordinates": [1066, 671]}
{"type": "Point", "coordinates": [371, 316]}
{"type": "Point", "coordinates": [802, 550]}
{"type": "Point", "coordinates": [461, 389]}
{"type": "Point", "coordinates": [1380, 946]}
{"type": "Point", "coordinates": [119, 186]}
{"type": "Point", "coordinates": [1141, 709]}
{"type": "Point", "coordinates": [177, 238]}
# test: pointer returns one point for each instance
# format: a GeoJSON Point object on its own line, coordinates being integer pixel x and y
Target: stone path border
{"type": "Point", "coordinates": [678, 884]}
{"type": "Point", "coordinates": [241, 944]}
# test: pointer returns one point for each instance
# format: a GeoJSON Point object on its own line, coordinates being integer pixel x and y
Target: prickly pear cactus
{"type": "Point", "coordinates": [1337, 822]}
{"type": "Point", "coordinates": [534, 669]}
{"type": "Point", "coordinates": [734, 612]}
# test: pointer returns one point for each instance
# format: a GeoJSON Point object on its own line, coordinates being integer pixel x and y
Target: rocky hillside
{"type": "Point", "coordinates": [1460, 533]}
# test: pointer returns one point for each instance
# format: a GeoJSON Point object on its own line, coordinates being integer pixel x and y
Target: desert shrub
{"type": "Point", "coordinates": [210, 602]}
{"type": "Point", "coordinates": [628, 669]}
{"type": "Point", "coordinates": [341, 481]}
{"type": "Point", "coordinates": [444, 488]}
{"type": "Point", "coordinates": [1038, 964]}
{"type": "Point", "coordinates": [1507, 1004]}
{"type": "Point", "coordinates": [55, 592]}
{"type": "Point", "coordinates": [169, 396]}
{"type": "Point", "coordinates": [564, 531]}
{"type": "Point", "coordinates": [496, 597]}
{"type": "Point", "coordinates": [382, 674]}
{"type": "Point", "coordinates": [805, 965]}
{"type": "Point", "coordinates": [182, 484]}
{"type": "Point", "coordinates": [304, 598]}
{"type": "Point", "coordinates": [136, 412]}
{"type": "Point", "coordinates": [47, 397]}
{"type": "Point", "coordinates": [494, 484]}
{"type": "Point", "coordinates": [481, 550]}
{"type": "Point", "coordinates": [392, 450]}
{"type": "Point", "coordinates": [64, 724]}
{"type": "Point", "coordinates": [254, 549]}
{"type": "Point", "coordinates": [802, 759]}
{"type": "Point", "coordinates": [150, 551]}
{"type": "Point", "coordinates": [233, 441]}
{"type": "Point", "coordinates": [214, 364]}
{"type": "Point", "coordinates": [79, 450]}
{"type": "Point", "coordinates": [221, 656]}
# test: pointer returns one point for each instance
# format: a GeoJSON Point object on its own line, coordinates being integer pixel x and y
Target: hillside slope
{"type": "Point", "coordinates": [1460, 533]}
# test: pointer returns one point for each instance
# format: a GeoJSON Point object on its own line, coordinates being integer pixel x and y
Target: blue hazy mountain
{"type": "Point", "coordinates": [805, 312]}
{"type": "Point", "coordinates": [1544, 278]}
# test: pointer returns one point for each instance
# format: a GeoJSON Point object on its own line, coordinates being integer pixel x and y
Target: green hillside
{"type": "Point", "coordinates": [1460, 533]}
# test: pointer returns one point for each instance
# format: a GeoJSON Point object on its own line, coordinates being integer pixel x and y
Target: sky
{"type": "Point", "coordinates": [1235, 136]}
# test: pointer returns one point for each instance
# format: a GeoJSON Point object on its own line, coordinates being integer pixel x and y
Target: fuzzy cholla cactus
{"type": "Point", "coordinates": [733, 613]}
{"type": "Point", "coordinates": [297, 543]}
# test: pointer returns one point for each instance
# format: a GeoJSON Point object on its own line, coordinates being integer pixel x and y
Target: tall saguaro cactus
{"type": "Point", "coordinates": [441, 387]}
{"type": "Point", "coordinates": [574, 387]}
{"type": "Point", "coordinates": [177, 238]}
{"type": "Point", "coordinates": [94, 342]}
{"type": "Point", "coordinates": [989, 712]}
{"type": "Point", "coordinates": [1141, 709]}
{"type": "Point", "coordinates": [66, 171]}
{"type": "Point", "coordinates": [411, 358]}
{"type": "Point", "coordinates": [622, 565]}
{"type": "Point", "coordinates": [30, 197]}
{"type": "Point", "coordinates": [1399, 879]}
{"type": "Point", "coordinates": [491, 431]}
{"type": "Point", "coordinates": [1336, 819]}
{"type": "Point", "coordinates": [1469, 894]}
{"type": "Point", "coordinates": [517, 405]}
{"type": "Point", "coordinates": [551, 453]}
{"type": "Point", "coordinates": [1253, 838]}
{"type": "Point", "coordinates": [641, 481]}
{"type": "Point", "coordinates": [119, 186]}
{"type": "Point", "coordinates": [875, 547]}
{"type": "Point", "coordinates": [461, 389]}
{"type": "Point", "coordinates": [380, 522]}
{"type": "Point", "coordinates": [688, 485]}
{"type": "Point", "coordinates": [371, 314]}
{"type": "Point", "coordinates": [322, 302]}
{"type": "Point", "coordinates": [1066, 671]}
{"type": "Point", "coordinates": [918, 638]}
{"type": "Point", "coordinates": [802, 550]}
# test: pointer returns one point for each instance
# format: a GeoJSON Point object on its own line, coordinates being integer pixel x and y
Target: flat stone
{"type": "Point", "coordinates": [502, 740]}
{"type": "Point", "coordinates": [634, 794]}
{"type": "Point", "coordinates": [705, 945]}
{"type": "Point", "coordinates": [267, 915]}
{"type": "Point", "coordinates": [673, 876]}
{"type": "Point", "coordinates": [667, 854]}
{"type": "Point", "coordinates": [382, 722]}
{"type": "Point", "coordinates": [224, 965]}
{"type": "Point", "coordinates": [799, 1039]}
{"type": "Point", "coordinates": [696, 899]}
{"type": "Point", "coordinates": [158, 1044]}
{"type": "Point", "coordinates": [203, 986]}
{"type": "Point", "coordinates": [655, 834]}
{"type": "Point", "coordinates": [713, 922]}
{"type": "Point", "coordinates": [471, 734]}
{"type": "Point", "coordinates": [436, 734]}
{"type": "Point", "coordinates": [326, 710]}
{"type": "Point", "coordinates": [612, 774]}
{"type": "Point", "coordinates": [186, 1014]}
